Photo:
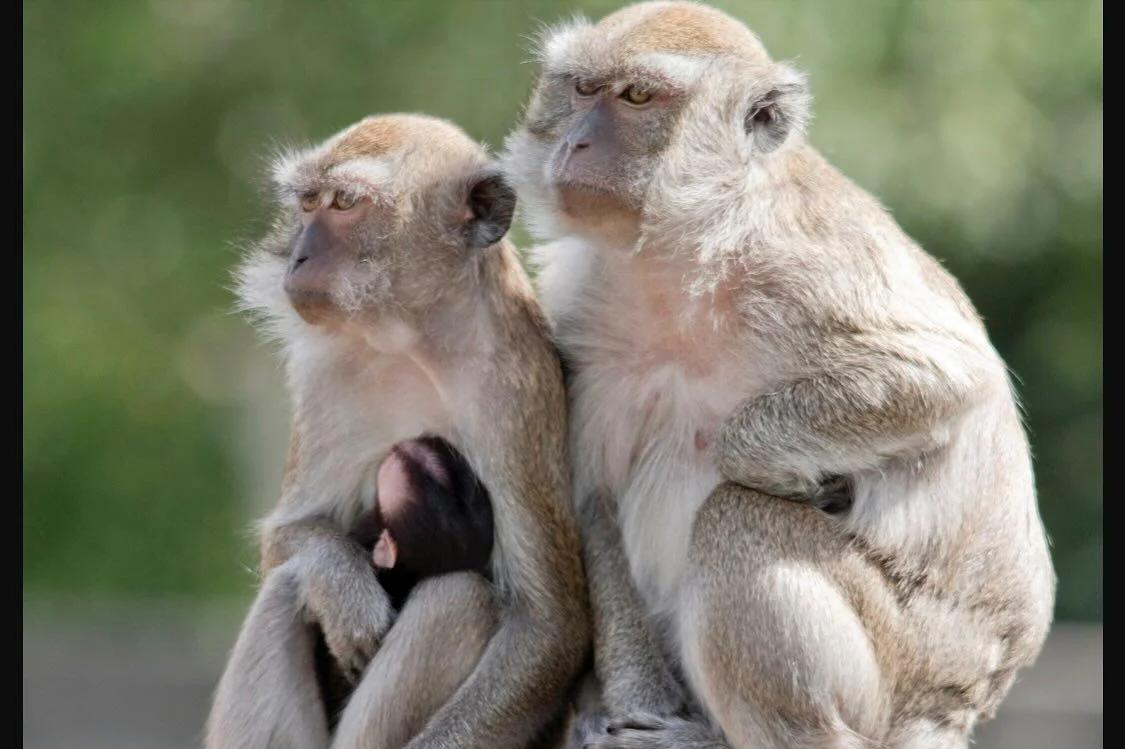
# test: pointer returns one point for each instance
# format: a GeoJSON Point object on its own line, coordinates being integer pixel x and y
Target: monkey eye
{"type": "Point", "coordinates": [344, 200]}
{"type": "Point", "coordinates": [309, 201]}
{"type": "Point", "coordinates": [584, 88]}
{"type": "Point", "coordinates": [636, 96]}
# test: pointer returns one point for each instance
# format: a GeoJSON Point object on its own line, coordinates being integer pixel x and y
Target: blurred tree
{"type": "Point", "coordinates": [148, 124]}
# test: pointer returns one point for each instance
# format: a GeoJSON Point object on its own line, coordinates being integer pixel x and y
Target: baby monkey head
{"type": "Point", "coordinates": [432, 515]}
{"type": "Point", "coordinates": [381, 218]}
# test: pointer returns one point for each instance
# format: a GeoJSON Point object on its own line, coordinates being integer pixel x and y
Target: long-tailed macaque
{"type": "Point", "coordinates": [403, 311]}
{"type": "Point", "coordinates": [809, 507]}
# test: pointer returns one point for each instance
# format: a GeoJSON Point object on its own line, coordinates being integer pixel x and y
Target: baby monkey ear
{"type": "Point", "coordinates": [491, 205]}
{"type": "Point", "coordinates": [385, 553]}
{"type": "Point", "coordinates": [781, 109]}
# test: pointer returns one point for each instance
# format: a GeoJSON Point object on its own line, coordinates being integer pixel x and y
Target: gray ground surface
{"type": "Point", "coordinates": [129, 683]}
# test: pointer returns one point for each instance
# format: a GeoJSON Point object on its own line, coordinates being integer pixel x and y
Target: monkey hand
{"type": "Point", "coordinates": [351, 608]}
{"type": "Point", "coordinates": [642, 730]}
{"type": "Point", "coordinates": [747, 461]}
{"type": "Point", "coordinates": [832, 494]}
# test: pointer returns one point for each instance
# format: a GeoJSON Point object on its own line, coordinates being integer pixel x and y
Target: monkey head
{"type": "Point", "coordinates": [637, 114]}
{"type": "Point", "coordinates": [360, 238]}
{"type": "Point", "coordinates": [432, 515]}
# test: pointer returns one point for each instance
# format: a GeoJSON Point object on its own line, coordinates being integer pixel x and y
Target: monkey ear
{"type": "Point", "coordinates": [385, 553]}
{"type": "Point", "coordinates": [781, 111]}
{"type": "Point", "coordinates": [491, 205]}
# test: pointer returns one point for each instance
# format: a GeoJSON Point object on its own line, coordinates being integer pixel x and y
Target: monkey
{"type": "Point", "coordinates": [401, 309]}
{"type": "Point", "coordinates": [805, 490]}
{"type": "Point", "coordinates": [431, 516]}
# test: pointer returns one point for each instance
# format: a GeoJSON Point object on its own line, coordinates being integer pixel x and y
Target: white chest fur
{"type": "Point", "coordinates": [655, 374]}
{"type": "Point", "coordinates": [353, 405]}
{"type": "Point", "coordinates": [647, 439]}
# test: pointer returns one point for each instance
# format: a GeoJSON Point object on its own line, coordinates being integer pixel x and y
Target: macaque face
{"type": "Point", "coordinates": [612, 105]}
{"type": "Point", "coordinates": [433, 515]}
{"type": "Point", "coordinates": [337, 235]}
{"type": "Point", "coordinates": [380, 219]}
{"type": "Point", "coordinates": [612, 128]}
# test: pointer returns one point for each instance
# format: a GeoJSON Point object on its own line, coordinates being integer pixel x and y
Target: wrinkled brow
{"type": "Point", "coordinates": [658, 70]}
{"type": "Point", "coordinates": [368, 176]}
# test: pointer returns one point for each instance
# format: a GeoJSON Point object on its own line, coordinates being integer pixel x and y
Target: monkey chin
{"type": "Point", "coordinates": [600, 213]}
{"type": "Point", "coordinates": [314, 307]}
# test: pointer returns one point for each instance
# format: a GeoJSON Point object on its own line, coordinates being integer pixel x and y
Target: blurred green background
{"type": "Point", "coordinates": [155, 422]}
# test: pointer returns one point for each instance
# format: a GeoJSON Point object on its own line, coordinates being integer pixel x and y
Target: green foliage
{"type": "Point", "coordinates": [148, 126]}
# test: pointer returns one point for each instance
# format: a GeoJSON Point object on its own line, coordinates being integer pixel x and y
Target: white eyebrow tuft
{"type": "Point", "coordinates": [373, 173]}
{"type": "Point", "coordinates": [681, 70]}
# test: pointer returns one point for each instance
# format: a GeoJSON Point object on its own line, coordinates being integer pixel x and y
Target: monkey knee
{"type": "Point", "coordinates": [467, 591]}
{"type": "Point", "coordinates": [458, 604]}
{"type": "Point", "coordinates": [784, 641]}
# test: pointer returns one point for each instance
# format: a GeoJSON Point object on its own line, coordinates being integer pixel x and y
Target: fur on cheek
{"type": "Point", "coordinates": [360, 288]}
{"type": "Point", "coordinates": [260, 288]}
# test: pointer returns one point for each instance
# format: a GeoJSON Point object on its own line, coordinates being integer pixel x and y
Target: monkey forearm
{"type": "Point", "coordinates": [627, 659]}
{"type": "Point", "coordinates": [281, 542]}
{"type": "Point", "coordinates": [336, 586]}
{"type": "Point", "coordinates": [838, 423]}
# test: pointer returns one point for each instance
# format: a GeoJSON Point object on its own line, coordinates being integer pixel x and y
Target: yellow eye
{"type": "Point", "coordinates": [344, 200]}
{"type": "Point", "coordinates": [582, 88]}
{"type": "Point", "coordinates": [309, 201]}
{"type": "Point", "coordinates": [636, 95]}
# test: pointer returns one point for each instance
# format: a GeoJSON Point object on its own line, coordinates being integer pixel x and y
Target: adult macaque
{"type": "Point", "coordinates": [744, 326]}
{"type": "Point", "coordinates": [402, 311]}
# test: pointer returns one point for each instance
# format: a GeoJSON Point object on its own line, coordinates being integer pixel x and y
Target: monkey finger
{"type": "Point", "coordinates": [835, 495]}
{"type": "Point", "coordinates": [640, 721]}
{"type": "Point", "coordinates": [633, 739]}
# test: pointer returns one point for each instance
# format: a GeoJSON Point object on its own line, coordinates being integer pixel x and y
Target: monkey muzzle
{"type": "Point", "coordinates": [317, 258]}
{"type": "Point", "coordinates": [586, 152]}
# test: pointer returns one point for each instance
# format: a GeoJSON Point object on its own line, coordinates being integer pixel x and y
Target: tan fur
{"type": "Point", "coordinates": [767, 331]}
{"type": "Point", "coordinates": [679, 28]}
{"type": "Point", "coordinates": [371, 137]}
{"type": "Point", "coordinates": [418, 332]}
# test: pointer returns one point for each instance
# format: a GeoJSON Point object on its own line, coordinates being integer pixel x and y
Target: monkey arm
{"type": "Point", "coordinates": [628, 662]}
{"type": "Point", "coordinates": [336, 585]}
{"type": "Point", "coordinates": [865, 405]}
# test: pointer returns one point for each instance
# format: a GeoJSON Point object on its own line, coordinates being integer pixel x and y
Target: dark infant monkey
{"type": "Point", "coordinates": [432, 516]}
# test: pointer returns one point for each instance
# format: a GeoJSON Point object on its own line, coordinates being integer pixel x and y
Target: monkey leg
{"type": "Point", "coordinates": [432, 648]}
{"type": "Point", "coordinates": [772, 643]}
{"type": "Point", "coordinates": [268, 695]}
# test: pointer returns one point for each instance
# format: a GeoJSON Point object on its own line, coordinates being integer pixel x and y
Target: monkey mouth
{"type": "Point", "coordinates": [580, 185]}
{"type": "Point", "coordinates": [314, 307]}
{"type": "Point", "coordinates": [584, 199]}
